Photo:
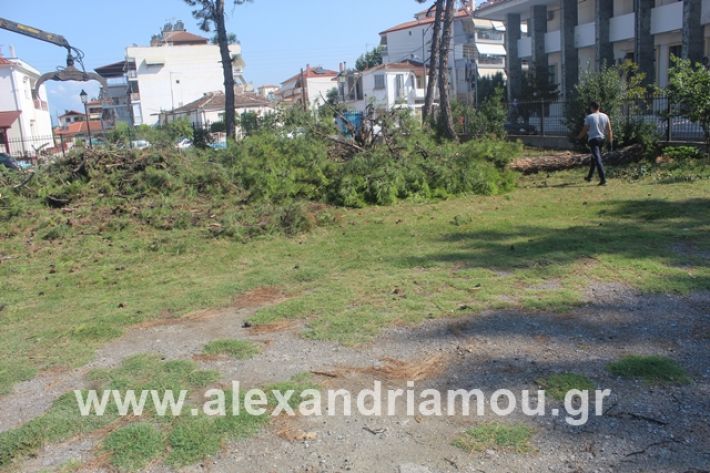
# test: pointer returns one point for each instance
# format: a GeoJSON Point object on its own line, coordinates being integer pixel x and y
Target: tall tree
{"type": "Point", "coordinates": [446, 119]}
{"type": "Point", "coordinates": [210, 14]}
{"type": "Point", "coordinates": [433, 57]}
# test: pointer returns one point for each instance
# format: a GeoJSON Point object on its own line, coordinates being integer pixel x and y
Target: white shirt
{"type": "Point", "coordinates": [597, 124]}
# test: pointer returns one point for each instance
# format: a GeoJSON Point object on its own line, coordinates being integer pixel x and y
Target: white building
{"type": "Point", "coordinates": [209, 109]}
{"type": "Point", "coordinates": [568, 38]}
{"type": "Point", "coordinates": [25, 122]}
{"type": "Point", "coordinates": [386, 87]}
{"type": "Point", "coordinates": [477, 47]}
{"type": "Point", "coordinates": [318, 83]}
{"type": "Point", "coordinates": [177, 68]}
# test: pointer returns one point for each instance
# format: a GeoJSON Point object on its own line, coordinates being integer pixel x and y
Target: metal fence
{"type": "Point", "coordinates": [549, 118]}
{"type": "Point", "coordinates": [37, 148]}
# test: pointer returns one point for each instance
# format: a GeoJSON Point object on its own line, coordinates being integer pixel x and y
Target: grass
{"type": "Point", "coordinates": [559, 384]}
{"type": "Point", "coordinates": [239, 349]}
{"type": "Point", "coordinates": [134, 446]}
{"type": "Point", "coordinates": [652, 369]}
{"type": "Point", "coordinates": [537, 248]}
{"type": "Point", "coordinates": [515, 438]}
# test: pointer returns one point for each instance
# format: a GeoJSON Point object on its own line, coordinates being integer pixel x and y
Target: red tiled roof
{"type": "Point", "coordinates": [4, 61]}
{"type": "Point", "coordinates": [78, 128]}
{"type": "Point", "coordinates": [406, 65]}
{"type": "Point", "coordinates": [70, 112]}
{"type": "Point", "coordinates": [183, 37]}
{"type": "Point", "coordinates": [216, 101]}
{"type": "Point", "coordinates": [312, 72]}
{"type": "Point", "coordinates": [424, 21]}
{"type": "Point", "coordinates": [8, 118]}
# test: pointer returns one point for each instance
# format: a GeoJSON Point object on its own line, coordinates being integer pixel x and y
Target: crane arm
{"type": "Point", "coordinates": [70, 73]}
{"type": "Point", "coordinates": [35, 33]}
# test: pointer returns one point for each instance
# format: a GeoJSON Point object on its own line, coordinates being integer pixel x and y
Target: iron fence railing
{"type": "Point", "coordinates": [549, 118]}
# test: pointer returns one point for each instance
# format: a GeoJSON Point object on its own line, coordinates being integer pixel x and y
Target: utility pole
{"type": "Point", "coordinates": [303, 91]}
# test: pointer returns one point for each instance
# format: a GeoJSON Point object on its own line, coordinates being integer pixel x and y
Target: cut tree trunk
{"type": "Point", "coordinates": [560, 162]}
{"type": "Point", "coordinates": [433, 60]}
{"type": "Point", "coordinates": [446, 119]}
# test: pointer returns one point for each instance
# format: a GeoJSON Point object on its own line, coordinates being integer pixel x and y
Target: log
{"type": "Point", "coordinates": [560, 162]}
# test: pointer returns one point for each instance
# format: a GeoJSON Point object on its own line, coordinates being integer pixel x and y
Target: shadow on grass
{"type": "Point", "coordinates": [632, 233]}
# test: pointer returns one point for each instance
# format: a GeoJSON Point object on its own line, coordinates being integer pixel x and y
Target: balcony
{"type": "Point", "coordinates": [41, 105]}
{"type": "Point", "coordinates": [525, 47]}
{"type": "Point", "coordinates": [667, 18]}
{"type": "Point", "coordinates": [585, 35]}
{"type": "Point", "coordinates": [135, 97]}
{"type": "Point", "coordinates": [553, 42]}
{"type": "Point", "coordinates": [622, 27]}
{"type": "Point", "coordinates": [132, 75]}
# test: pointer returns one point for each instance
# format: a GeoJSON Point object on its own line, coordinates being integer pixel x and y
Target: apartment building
{"type": "Point", "coordinates": [390, 86]}
{"type": "Point", "coordinates": [177, 68]}
{"type": "Point", "coordinates": [25, 122]}
{"type": "Point", "coordinates": [310, 86]}
{"type": "Point", "coordinates": [477, 47]}
{"type": "Point", "coordinates": [568, 38]}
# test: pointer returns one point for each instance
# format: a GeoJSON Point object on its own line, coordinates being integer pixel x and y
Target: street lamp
{"type": "Point", "coordinates": [85, 100]}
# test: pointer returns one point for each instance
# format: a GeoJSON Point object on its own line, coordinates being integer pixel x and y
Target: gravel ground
{"type": "Point", "coordinates": [645, 428]}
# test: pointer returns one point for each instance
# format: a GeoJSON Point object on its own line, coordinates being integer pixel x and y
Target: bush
{"type": "Point", "coordinates": [618, 89]}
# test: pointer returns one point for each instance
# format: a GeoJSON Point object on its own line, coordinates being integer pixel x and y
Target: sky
{"type": "Point", "coordinates": [278, 37]}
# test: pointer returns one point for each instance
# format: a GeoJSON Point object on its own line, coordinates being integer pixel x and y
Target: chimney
{"type": "Point", "coordinates": [12, 52]}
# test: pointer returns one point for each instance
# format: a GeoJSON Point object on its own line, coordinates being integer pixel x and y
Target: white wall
{"type": "Point", "coordinates": [16, 84]}
{"type": "Point", "coordinates": [187, 73]}
{"type": "Point", "coordinates": [387, 99]}
{"type": "Point", "coordinates": [318, 88]}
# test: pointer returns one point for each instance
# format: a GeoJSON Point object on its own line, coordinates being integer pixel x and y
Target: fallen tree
{"type": "Point", "coordinates": [629, 154]}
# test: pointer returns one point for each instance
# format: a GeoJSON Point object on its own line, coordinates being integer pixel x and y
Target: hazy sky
{"type": "Point", "coordinates": [278, 37]}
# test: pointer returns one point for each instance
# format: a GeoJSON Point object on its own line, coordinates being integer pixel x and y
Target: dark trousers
{"type": "Point", "coordinates": [596, 146]}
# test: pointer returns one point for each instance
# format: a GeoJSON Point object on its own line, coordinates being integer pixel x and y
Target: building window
{"type": "Point", "coordinates": [400, 86]}
{"type": "Point", "coordinates": [379, 81]}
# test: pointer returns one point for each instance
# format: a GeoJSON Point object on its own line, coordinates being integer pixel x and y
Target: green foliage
{"type": "Point", "coordinates": [488, 120]}
{"type": "Point", "coordinates": [369, 59]}
{"type": "Point", "coordinates": [689, 85]}
{"type": "Point", "coordinates": [618, 90]}
{"type": "Point", "coordinates": [239, 349]}
{"type": "Point", "coordinates": [488, 86]}
{"type": "Point", "coordinates": [682, 153]}
{"type": "Point", "coordinates": [497, 436]}
{"type": "Point", "coordinates": [134, 446]}
{"type": "Point", "coordinates": [559, 384]}
{"type": "Point", "coordinates": [653, 369]}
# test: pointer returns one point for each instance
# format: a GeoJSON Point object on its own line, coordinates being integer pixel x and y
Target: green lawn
{"type": "Point", "coordinates": [537, 248]}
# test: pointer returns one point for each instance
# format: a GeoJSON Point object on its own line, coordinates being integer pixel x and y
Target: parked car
{"type": "Point", "coordinates": [9, 163]}
{"type": "Point", "coordinates": [520, 129]}
{"type": "Point", "coordinates": [184, 144]}
{"type": "Point", "coordinates": [140, 144]}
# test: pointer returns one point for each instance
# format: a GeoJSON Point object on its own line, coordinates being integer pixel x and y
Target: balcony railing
{"type": "Point", "coordinates": [41, 105]}
{"type": "Point", "coordinates": [132, 75]}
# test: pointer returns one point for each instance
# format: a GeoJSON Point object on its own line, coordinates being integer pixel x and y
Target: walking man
{"type": "Point", "coordinates": [597, 128]}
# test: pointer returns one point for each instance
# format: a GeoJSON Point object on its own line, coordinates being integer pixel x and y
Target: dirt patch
{"type": "Point", "coordinates": [259, 297]}
{"type": "Point", "coordinates": [280, 326]}
{"type": "Point", "coordinates": [416, 370]}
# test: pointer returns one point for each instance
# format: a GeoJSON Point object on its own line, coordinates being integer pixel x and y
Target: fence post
{"type": "Point", "coordinates": [669, 119]}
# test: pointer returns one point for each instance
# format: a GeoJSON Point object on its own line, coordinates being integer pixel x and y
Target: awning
{"type": "Point", "coordinates": [490, 49]}
{"type": "Point", "coordinates": [482, 24]}
{"type": "Point", "coordinates": [498, 25]}
{"type": "Point", "coordinates": [8, 118]}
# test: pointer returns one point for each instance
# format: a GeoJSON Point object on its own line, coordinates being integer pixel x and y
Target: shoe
{"type": "Point", "coordinates": [588, 179]}
{"type": "Point", "coordinates": [603, 183]}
